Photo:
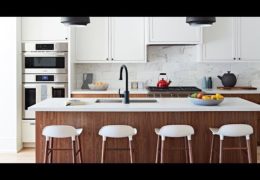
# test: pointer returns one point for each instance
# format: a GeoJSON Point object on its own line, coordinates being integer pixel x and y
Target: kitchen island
{"type": "Point", "coordinates": [91, 116]}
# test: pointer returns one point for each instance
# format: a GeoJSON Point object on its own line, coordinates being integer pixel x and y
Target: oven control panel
{"type": "Point", "coordinates": [49, 78]}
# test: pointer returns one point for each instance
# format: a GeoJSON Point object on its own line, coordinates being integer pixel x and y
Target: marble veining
{"type": "Point", "coordinates": [179, 62]}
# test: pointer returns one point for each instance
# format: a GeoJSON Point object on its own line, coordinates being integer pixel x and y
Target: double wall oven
{"type": "Point", "coordinates": [44, 73]}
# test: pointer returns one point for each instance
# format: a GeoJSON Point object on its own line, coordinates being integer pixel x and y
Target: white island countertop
{"type": "Point", "coordinates": [163, 105]}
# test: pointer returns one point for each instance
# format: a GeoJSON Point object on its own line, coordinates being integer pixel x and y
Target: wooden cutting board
{"type": "Point", "coordinates": [238, 88]}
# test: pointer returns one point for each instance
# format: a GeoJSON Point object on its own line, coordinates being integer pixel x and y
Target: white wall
{"type": "Point", "coordinates": [10, 88]}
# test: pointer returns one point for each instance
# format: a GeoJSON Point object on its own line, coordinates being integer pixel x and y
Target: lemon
{"type": "Point", "coordinates": [219, 96]}
{"type": "Point", "coordinates": [206, 97]}
{"type": "Point", "coordinates": [214, 97]}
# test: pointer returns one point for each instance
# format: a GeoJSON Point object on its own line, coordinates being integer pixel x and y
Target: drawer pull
{"type": "Point", "coordinates": [32, 124]}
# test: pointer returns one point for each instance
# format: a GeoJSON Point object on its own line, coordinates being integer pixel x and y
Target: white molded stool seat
{"type": "Point", "coordinates": [117, 131]}
{"type": "Point", "coordinates": [62, 131]}
{"type": "Point", "coordinates": [174, 131]}
{"type": "Point", "coordinates": [231, 130]}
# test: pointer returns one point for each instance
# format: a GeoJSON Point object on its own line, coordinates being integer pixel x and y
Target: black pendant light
{"type": "Point", "coordinates": [75, 21]}
{"type": "Point", "coordinates": [200, 21]}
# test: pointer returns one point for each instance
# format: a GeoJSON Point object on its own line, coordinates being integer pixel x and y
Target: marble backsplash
{"type": "Point", "coordinates": [180, 64]}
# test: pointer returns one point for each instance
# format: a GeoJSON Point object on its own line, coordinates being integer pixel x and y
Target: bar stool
{"type": "Point", "coordinates": [231, 130]}
{"type": "Point", "coordinates": [62, 131]}
{"type": "Point", "coordinates": [117, 131]}
{"type": "Point", "coordinates": [174, 131]}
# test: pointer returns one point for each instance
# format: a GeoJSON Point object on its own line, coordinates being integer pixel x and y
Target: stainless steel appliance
{"type": "Point", "coordinates": [45, 73]}
{"type": "Point", "coordinates": [38, 87]}
{"type": "Point", "coordinates": [173, 91]}
{"type": "Point", "coordinates": [45, 57]}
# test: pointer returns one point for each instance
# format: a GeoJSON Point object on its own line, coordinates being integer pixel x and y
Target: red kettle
{"type": "Point", "coordinates": [162, 83]}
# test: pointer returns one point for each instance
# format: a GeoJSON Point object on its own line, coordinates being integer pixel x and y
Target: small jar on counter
{"type": "Point", "coordinates": [210, 83]}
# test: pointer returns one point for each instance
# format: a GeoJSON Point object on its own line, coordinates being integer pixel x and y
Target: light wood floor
{"type": "Point", "coordinates": [27, 155]}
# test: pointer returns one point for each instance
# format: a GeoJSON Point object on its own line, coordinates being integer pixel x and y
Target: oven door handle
{"type": "Point", "coordinates": [45, 54]}
{"type": "Point", "coordinates": [29, 85]}
{"type": "Point", "coordinates": [58, 86]}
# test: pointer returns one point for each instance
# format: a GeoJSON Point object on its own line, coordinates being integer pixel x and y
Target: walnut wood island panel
{"type": "Point", "coordinates": [145, 120]}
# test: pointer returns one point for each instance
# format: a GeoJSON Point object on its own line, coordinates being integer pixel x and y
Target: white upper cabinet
{"type": "Point", "coordinates": [92, 42]}
{"type": "Point", "coordinates": [249, 36]}
{"type": "Point", "coordinates": [172, 30]}
{"type": "Point", "coordinates": [111, 39]}
{"type": "Point", "coordinates": [232, 39]}
{"type": "Point", "coordinates": [219, 40]}
{"type": "Point", "coordinates": [44, 29]}
{"type": "Point", "coordinates": [128, 39]}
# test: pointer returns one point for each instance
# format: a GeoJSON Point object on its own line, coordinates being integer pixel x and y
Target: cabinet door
{"type": "Point", "coordinates": [92, 41]}
{"type": "Point", "coordinates": [128, 39]}
{"type": "Point", "coordinates": [28, 131]}
{"type": "Point", "coordinates": [43, 29]}
{"type": "Point", "coordinates": [249, 37]}
{"type": "Point", "coordinates": [172, 30]}
{"type": "Point", "coordinates": [219, 40]}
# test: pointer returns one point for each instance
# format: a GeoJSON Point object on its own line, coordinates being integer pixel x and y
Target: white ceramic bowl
{"type": "Point", "coordinates": [102, 87]}
{"type": "Point", "coordinates": [201, 102]}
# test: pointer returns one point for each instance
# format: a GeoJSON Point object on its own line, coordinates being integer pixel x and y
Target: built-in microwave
{"type": "Point", "coordinates": [45, 57]}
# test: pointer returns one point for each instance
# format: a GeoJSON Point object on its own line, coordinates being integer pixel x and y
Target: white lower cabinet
{"type": "Point", "coordinates": [28, 131]}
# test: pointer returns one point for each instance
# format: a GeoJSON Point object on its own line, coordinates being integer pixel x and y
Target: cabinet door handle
{"type": "Point", "coordinates": [239, 58]}
{"type": "Point", "coordinates": [234, 58]}
{"type": "Point", "coordinates": [107, 59]}
{"type": "Point", "coordinates": [112, 59]}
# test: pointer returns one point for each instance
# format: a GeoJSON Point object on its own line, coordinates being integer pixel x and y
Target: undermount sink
{"type": "Point", "coordinates": [131, 101]}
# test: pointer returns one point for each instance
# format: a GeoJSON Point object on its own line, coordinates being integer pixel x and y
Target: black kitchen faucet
{"type": "Point", "coordinates": [126, 93]}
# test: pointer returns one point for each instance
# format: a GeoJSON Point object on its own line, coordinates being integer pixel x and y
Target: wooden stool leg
{"type": "Point", "coordinates": [220, 150]}
{"type": "Point", "coordinates": [240, 150]}
{"type": "Point", "coordinates": [249, 150]}
{"type": "Point", "coordinates": [186, 150]}
{"type": "Point", "coordinates": [162, 148]}
{"type": "Point", "coordinates": [51, 151]}
{"type": "Point", "coordinates": [74, 151]}
{"type": "Point", "coordinates": [103, 151]}
{"type": "Point", "coordinates": [157, 149]}
{"type": "Point", "coordinates": [79, 149]}
{"type": "Point", "coordinates": [131, 153]}
{"type": "Point", "coordinates": [211, 148]}
{"type": "Point", "coordinates": [46, 154]}
{"type": "Point", "coordinates": [190, 151]}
